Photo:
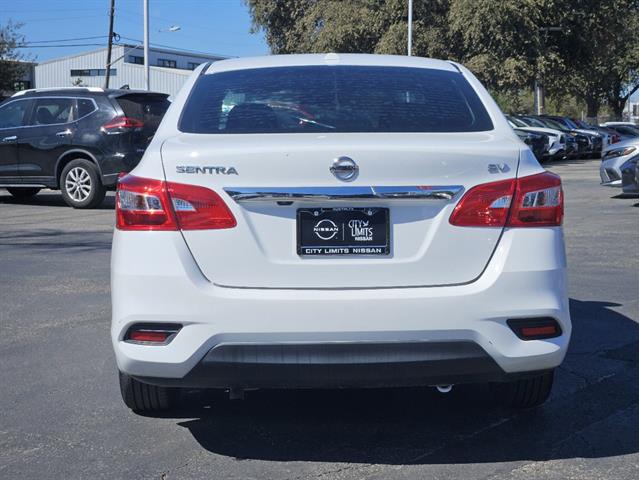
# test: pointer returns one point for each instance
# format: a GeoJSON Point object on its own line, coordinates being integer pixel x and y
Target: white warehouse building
{"type": "Point", "coordinates": [169, 69]}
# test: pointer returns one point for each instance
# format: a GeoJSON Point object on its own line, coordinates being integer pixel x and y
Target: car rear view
{"type": "Point", "coordinates": [332, 221]}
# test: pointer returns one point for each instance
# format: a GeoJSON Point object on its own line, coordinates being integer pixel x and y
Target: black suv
{"type": "Point", "coordinates": [77, 140]}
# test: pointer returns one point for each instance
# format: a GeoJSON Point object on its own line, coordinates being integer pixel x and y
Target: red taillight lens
{"type": "Point", "coordinates": [147, 204]}
{"type": "Point", "coordinates": [533, 201]}
{"type": "Point", "coordinates": [538, 202]}
{"type": "Point", "coordinates": [143, 204]}
{"type": "Point", "coordinates": [198, 208]}
{"type": "Point", "coordinates": [120, 124]}
{"type": "Point", "coordinates": [485, 205]}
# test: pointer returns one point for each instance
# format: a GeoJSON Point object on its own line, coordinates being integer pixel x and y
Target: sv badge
{"type": "Point", "coordinates": [498, 168]}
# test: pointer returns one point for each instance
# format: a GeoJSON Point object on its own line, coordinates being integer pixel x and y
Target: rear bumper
{"type": "Point", "coordinates": [154, 279]}
{"type": "Point", "coordinates": [338, 365]}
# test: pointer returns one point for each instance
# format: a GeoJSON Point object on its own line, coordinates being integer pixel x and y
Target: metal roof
{"type": "Point", "coordinates": [189, 53]}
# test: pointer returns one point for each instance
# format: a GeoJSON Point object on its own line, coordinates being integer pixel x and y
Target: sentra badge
{"type": "Point", "coordinates": [206, 170]}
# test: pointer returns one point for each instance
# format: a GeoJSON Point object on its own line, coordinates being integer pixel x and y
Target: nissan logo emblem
{"type": "Point", "coordinates": [344, 168]}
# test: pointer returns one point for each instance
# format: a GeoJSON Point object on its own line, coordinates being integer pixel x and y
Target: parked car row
{"type": "Point", "coordinates": [554, 137]}
{"type": "Point", "coordinates": [80, 139]}
{"type": "Point", "coordinates": [76, 139]}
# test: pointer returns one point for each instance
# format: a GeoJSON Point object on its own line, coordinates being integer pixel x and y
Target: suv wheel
{"type": "Point", "coordinates": [526, 392]}
{"type": "Point", "coordinates": [23, 192]}
{"type": "Point", "coordinates": [80, 184]}
{"type": "Point", "coordinates": [142, 397]}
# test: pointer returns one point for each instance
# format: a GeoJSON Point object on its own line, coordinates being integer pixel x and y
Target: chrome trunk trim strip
{"type": "Point", "coordinates": [336, 194]}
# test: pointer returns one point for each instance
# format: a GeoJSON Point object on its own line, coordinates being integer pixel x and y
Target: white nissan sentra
{"type": "Point", "coordinates": [336, 221]}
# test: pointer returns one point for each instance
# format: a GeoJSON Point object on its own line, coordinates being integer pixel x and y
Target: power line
{"type": "Point", "coordinates": [31, 42]}
{"type": "Point", "coordinates": [62, 46]}
{"type": "Point", "coordinates": [49, 19]}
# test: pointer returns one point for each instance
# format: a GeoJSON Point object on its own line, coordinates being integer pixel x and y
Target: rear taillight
{"type": "Point", "coordinates": [121, 124]}
{"type": "Point", "coordinates": [538, 202]}
{"type": "Point", "coordinates": [485, 205]}
{"type": "Point", "coordinates": [533, 201]}
{"type": "Point", "coordinates": [147, 204]}
{"type": "Point", "coordinates": [199, 208]}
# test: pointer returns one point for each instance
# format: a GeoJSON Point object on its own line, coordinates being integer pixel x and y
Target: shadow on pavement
{"type": "Point", "coordinates": [53, 199]}
{"type": "Point", "coordinates": [56, 240]}
{"type": "Point", "coordinates": [420, 426]}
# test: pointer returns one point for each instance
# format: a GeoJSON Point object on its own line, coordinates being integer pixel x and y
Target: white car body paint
{"type": "Point", "coordinates": [440, 283]}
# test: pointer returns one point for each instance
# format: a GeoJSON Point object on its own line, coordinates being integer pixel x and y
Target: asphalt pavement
{"type": "Point", "coordinates": [61, 415]}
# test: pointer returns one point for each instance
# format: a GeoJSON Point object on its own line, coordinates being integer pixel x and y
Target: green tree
{"type": "Point", "coordinates": [357, 26]}
{"type": "Point", "coordinates": [500, 40]}
{"type": "Point", "coordinates": [10, 67]}
{"type": "Point", "coordinates": [600, 49]}
{"type": "Point", "coordinates": [593, 58]}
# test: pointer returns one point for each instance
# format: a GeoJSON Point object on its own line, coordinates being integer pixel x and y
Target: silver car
{"type": "Point", "coordinates": [613, 157]}
{"type": "Point", "coordinates": [630, 176]}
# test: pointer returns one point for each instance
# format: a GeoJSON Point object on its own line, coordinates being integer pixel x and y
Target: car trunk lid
{"type": "Point", "coordinates": [417, 177]}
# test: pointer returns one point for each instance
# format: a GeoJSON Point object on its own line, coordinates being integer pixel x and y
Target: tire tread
{"type": "Point", "coordinates": [142, 397]}
{"type": "Point", "coordinates": [525, 392]}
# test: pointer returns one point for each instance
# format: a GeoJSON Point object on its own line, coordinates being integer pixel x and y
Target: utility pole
{"type": "Point", "coordinates": [629, 101]}
{"type": "Point", "coordinates": [540, 93]}
{"type": "Point", "coordinates": [410, 27]}
{"type": "Point", "coordinates": [110, 45]}
{"type": "Point", "coordinates": [147, 75]}
{"type": "Point", "coordinates": [540, 97]}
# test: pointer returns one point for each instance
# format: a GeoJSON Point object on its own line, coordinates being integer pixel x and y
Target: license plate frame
{"type": "Point", "coordinates": [343, 231]}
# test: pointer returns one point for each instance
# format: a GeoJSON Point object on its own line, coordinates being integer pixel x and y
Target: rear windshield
{"type": "Point", "coordinates": [147, 108]}
{"type": "Point", "coordinates": [333, 99]}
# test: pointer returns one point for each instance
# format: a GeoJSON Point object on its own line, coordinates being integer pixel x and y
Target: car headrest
{"type": "Point", "coordinates": [247, 117]}
{"type": "Point", "coordinates": [44, 116]}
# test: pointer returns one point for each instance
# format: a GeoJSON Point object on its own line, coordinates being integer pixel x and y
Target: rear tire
{"type": "Point", "coordinates": [23, 192]}
{"type": "Point", "coordinates": [144, 398]}
{"type": "Point", "coordinates": [80, 184]}
{"type": "Point", "coordinates": [526, 392]}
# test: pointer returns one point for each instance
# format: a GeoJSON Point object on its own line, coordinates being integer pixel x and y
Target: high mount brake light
{"type": "Point", "coordinates": [533, 201]}
{"type": "Point", "coordinates": [148, 204]}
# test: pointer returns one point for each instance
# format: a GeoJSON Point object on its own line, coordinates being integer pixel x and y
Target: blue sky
{"type": "Point", "coordinates": [211, 26]}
